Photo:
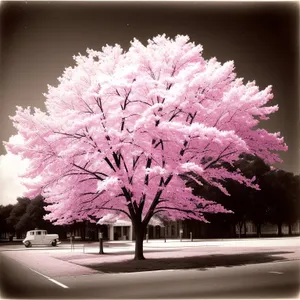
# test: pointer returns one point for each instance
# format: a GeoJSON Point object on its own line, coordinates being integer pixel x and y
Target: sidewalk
{"type": "Point", "coordinates": [116, 251]}
{"type": "Point", "coordinates": [176, 243]}
{"type": "Point", "coordinates": [62, 261]}
{"type": "Point", "coordinates": [121, 246]}
{"type": "Point", "coordinates": [48, 265]}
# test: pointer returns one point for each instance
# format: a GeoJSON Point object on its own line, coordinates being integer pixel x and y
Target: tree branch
{"type": "Point", "coordinates": [92, 173]}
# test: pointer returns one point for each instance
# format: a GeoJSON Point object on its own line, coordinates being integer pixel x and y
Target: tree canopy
{"type": "Point", "coordinates": [33, 215]}
{"type": "Point", "coordinates": [121, 127]}
{"type": "Point", "coordinates": [281, 189]}
{"type": "Point", "coordinates": [5, 212]}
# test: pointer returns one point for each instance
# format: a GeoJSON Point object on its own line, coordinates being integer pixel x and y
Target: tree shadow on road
{"type": "Point", "coordinates": [196, 262]}
{"type": "Point", "coordinates": [145, 251]}
{"type": "Point", "coordinates": [87, 254]}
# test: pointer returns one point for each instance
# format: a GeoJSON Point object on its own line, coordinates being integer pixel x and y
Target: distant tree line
{"type": "Point", "coordinates": [25, 215]}
{"type": "Point", "coordinates": [276, 202]}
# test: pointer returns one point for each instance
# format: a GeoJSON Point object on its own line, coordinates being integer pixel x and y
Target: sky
{"type": "Point", "coordinates": [38, 40]}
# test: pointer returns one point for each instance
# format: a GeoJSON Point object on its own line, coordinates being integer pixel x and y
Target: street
{"type": "Point", "coordinates": [240, 282]}
{"type": "Point", "coordinates": [39, 274]}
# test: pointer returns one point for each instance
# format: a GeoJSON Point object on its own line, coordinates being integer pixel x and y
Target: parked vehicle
{"type": "Point", "coordinates": [40, 237]}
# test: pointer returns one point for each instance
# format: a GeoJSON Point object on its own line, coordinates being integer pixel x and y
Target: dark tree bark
{"type": "Point", "coordinates": [258, 230]}
{"type": "Point", "coordinates": [245, 229]}
{"type": "Point", "coordinates": [139, 239]}
{"type": "Point", "coordinates": [279, 225]}
{"type": "Point", "coordinates": [101, 241]}
{"type": "Point", "coordinates": [240, 224]}
{"type": "Point", "coordinates": [101, 246]}
{"type": "Point", "coordinates": [290, 230]}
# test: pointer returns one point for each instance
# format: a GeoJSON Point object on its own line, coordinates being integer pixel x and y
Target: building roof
{"type": "Point", "coordinates": [111, 219]}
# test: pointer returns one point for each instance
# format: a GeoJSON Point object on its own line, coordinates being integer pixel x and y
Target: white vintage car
{"type": "Point", "coordinates": [40, 237]}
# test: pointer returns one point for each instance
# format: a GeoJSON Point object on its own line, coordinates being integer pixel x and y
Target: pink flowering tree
{"type": "Point", "coordinates": [122, 127]}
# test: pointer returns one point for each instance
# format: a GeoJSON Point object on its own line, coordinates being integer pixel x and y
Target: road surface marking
{"type": "Point", "coordinates": [49, 278]}
{"type": "Point", "coordinates": [62, 285]}
{"type": "Point", "coordinates": [275, 272]}
{"type": "Point", "coordinates": [152, 272]}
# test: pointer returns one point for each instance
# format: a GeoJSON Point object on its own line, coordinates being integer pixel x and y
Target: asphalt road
{"type": "Point", "coordinates": [18, 281]}
{"type": "Point", "coordinates": [265, 280]}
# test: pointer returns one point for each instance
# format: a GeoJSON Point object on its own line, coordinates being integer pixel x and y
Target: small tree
{"type": "Point", "coordinates": [121, 127]}
{"type": "Point", "coordinates": [246, 203]}
{"type": "Point", "coordinates": [294, 201]}
{"type": "Point", "coordinates": [18, 210]}
{"type": "Point", "coordinates": [33, 217]}
{"type": "Point", "coordinates": [255, 206]}
{"type": "Point", "coordinates": [281, 190]}
{"type": "Point", "coordinates": [5, 211]}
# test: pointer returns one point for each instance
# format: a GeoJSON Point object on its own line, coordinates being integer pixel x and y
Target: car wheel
{"type": "Point", "coordinates": [27, 244]}
{"type": "Point", "coordinates": [53, 243]}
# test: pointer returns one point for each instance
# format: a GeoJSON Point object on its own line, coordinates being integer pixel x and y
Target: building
{"type": "Point", "coordinates": [115, 228]}
{"type": "Point", "coordinates": [120, 229]}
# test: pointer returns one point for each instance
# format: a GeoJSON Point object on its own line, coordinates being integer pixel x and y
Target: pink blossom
{"type": "Point", "coordinates": [121, 127]}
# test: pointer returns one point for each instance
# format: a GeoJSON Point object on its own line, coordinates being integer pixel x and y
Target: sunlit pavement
{"type": "Point", "coordinates": [62, 272]}
{"type": "Point", "coordinates": [67, 260]}
{"type": "Point", "coordinates": [121, 246]}
{"type": "Point", "coordinates": [55, 274]}
{"type": "Point", "coordinates": [48, 259]}
{"type": "Point", "coordinates": [251, 242]}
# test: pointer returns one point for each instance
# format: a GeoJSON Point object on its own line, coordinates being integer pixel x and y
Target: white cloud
{"type": "Point", "coordinates": [10, 167]}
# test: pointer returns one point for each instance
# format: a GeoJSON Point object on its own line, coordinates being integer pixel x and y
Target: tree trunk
{"type": "Point", "coordinates": [258, 230]}
{"type": "Point", "coordinates": [101, 241]}
{"type": "Point", "coordinates": [290, 230]}
{"type": "Point", "coordinates": [240, 229]}
{"type": "Point", "coordinates": [139, 239]}
{"type": "Point", "coordinates": [245, 229]}
{"type": "Point", "coordinates": [279, 225]}
{"type": "Point", "coordinates": [232, 230]}
{"type": "Point", "coordinates": [101, 245]}
{"type": "Point", "coordinates": [83, 231]}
